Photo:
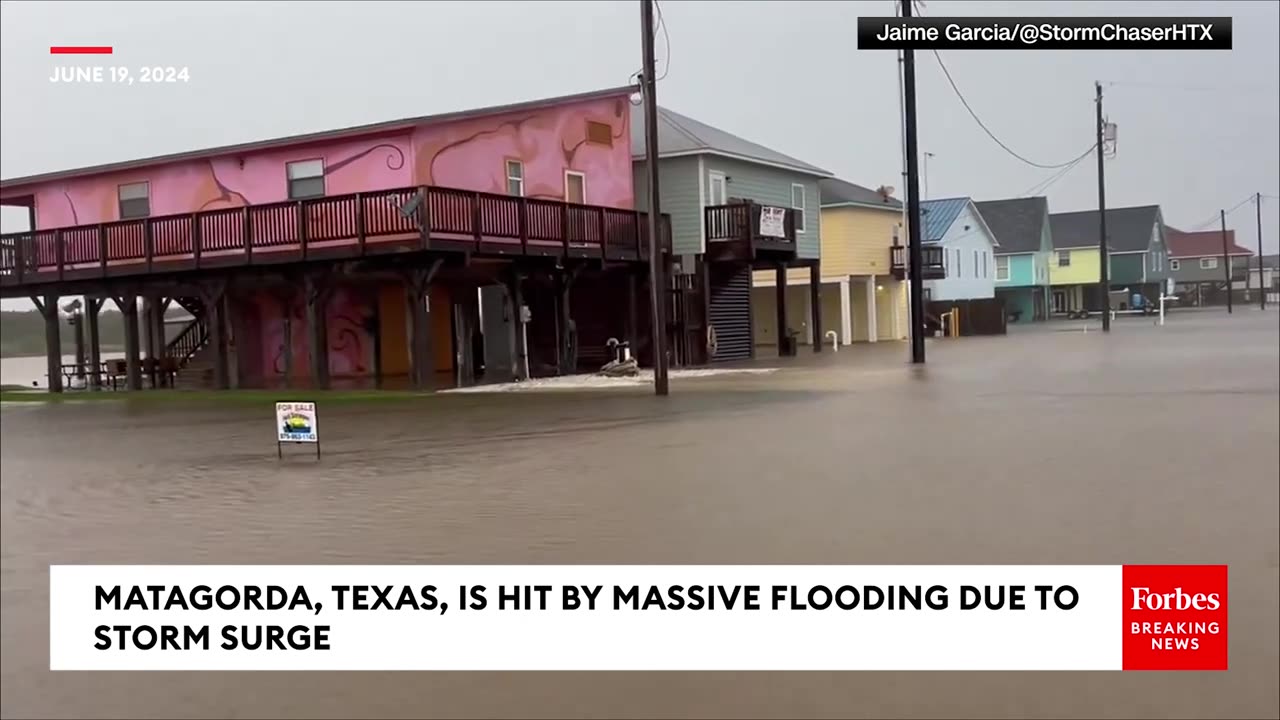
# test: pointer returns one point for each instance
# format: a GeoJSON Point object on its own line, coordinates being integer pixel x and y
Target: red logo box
{"type": "Point", "coordinates": [1175, 617]}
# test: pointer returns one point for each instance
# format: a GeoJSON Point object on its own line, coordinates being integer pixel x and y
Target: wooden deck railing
{"type": "Point", "coordinates": [932, 266]}
{"type": "Point", "coordinates": [743, 222]}
{"type": "Point", "coordinates": [410, 218]}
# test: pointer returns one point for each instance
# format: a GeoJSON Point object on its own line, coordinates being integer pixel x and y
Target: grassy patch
{"type": "Point", "coordinates": [11, 393]}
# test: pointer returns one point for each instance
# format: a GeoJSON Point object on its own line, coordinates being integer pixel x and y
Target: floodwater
{"type": "Point", "coordinates": [31, 371]}
{"type": "Point", "coordinates": [1151, 445]}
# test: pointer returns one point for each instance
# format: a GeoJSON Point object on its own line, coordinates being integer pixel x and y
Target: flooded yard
{"type": "Point", "coordinates": [1151, 445]}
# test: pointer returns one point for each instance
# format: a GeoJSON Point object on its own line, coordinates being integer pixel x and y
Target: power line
{"type": "Point", "coordinates": [1217, 217]}
{"type": "Point", "coordinates": [666, 40]}
{"type": "Point", "coordinates": [1048, 182]}
{"type": "Point", "coordinates": [983, 125]}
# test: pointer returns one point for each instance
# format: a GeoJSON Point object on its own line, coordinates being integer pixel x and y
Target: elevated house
{"type": "Point", "coordinates": [863, 262]}
{"type": "Point", "coordinates": [1023, 257]}
{"type": "Point", "coordinates": [968, 247]}
{"type": "Point", "coordinates": [1198, 268]}
{"type": "Point", "coordinates": [1136, 250]}
{"type": "Point", "coordinates": [356, 256]}
{"type": "Point", "coordinates": [1075, 268]}
{"type": "Point", "coordinates": [736, 207]}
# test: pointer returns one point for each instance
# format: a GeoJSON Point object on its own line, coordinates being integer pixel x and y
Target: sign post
{"type": "Point", "coordinates": [296, 423]}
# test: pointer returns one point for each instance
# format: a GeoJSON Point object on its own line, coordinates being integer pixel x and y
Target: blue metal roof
{"type": "Point", "coordinates": [938, 217]}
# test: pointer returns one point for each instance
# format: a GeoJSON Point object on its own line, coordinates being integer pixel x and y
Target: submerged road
{"type": "Point", "coordinates": [1152, 445]}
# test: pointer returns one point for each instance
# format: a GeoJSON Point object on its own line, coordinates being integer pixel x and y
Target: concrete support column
{"type": "Point", "coordinates": [846, 312]}
{"type": "Point", "coordinates": [872, 331]}
{"type": "Point", "coordinates": [520, 349]}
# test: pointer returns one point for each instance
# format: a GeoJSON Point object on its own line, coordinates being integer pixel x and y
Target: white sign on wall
{"type": "Point", "coordinates": [773, 222]}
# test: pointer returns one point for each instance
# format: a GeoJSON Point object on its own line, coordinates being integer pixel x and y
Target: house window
{"type": "Point", "coordinates": [797, 205]}
{"type": "Point", "coordinates": [1002, 267]}
{"type": "Point", "coordinates": [959, 265]}
{"type": "Point", "coordinates": [135, 200]}
{"type": "Point", "coordinates": [515, 178]}
{"type": "Point", "coordinates": [975, 264]}
{"type": "Point", "coordinates": [306, 179]}
{"type": "Point", "coordinates": [1175, 265]}
{"type": "Point", "coordinates": [984, 264]}
{"type": "Point", "coordinates": [1064, 258]}
{"type": "Point", "coordinates": [575, 187]}
{"type": "Point", "coordinates": [1210, 263]}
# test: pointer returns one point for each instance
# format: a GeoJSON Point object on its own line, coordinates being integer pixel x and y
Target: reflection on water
{"type": "Point", "coordinates": [1035, 448]}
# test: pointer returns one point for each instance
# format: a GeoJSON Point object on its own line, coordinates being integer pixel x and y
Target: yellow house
{"type": "Point", "coordinates": [1074, 268]}
{"type": "Point", "coordinates": [861, 299]}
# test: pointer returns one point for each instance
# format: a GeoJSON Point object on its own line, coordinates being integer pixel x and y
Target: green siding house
{"type": "Point", "coordinates": [1139, 257]}
{"type": "Point", "coordinates": [1022, 228]}
{"type": "Point", "coordinates": [701, 167]}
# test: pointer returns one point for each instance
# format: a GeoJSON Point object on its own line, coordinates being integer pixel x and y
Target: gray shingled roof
{"type": "Point", "coordinates": [1128, 229]}
{"type": "Point", "coordinates": [682, 135]}
{"type": "Point", "coordinates": [840, 192]}
{"type": "Point", "coordinates": [1016, 223]}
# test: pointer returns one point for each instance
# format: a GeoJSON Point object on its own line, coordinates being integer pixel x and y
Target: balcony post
{"type": "Point", "coordinates": [524, 225]}
{"type": "Point", "coordinates": [476, 219]}
{"type": "Point", "coordinates": [302, 228]}
{"type": "Point", "coordinates": [92, 306]}
{"type": "Point", "coordinates": [361, 230]}
{"type": "Point", "coordinates": [59, 250]}
{"type": "Point", "coordinates": [128, 305]}
{"type": "Point", "coordinates": [102, 248]}
{"type": "Point", "coordinates": [317, 291]}
{"type": "Point", "coordinates": [417, 285]}
{"type": "Point", "coordinates": [48, 308]}
{"type": "Point", "coordinates": [780, 289]}
{"type": "Point", "coordinates": [815, 303]}
{"type": "Point", "coordinates": [20, 256]}
{"type": "Point", "coordinates": [148, 242]}
{"type": "Point", "coordinates": [246, 233]}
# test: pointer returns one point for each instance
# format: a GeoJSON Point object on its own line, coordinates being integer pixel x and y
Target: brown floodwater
{"type": "Point", "coordinates": [1152, 445]}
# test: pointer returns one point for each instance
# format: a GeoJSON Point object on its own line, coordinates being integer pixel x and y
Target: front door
{"type": "Point", "coordinates": [718, 194]}
{"type": "Point", "coordinates": [1059, 301]}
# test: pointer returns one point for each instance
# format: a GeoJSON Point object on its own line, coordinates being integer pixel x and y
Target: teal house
{"type": "Point", "coordinates": [1021, 225]}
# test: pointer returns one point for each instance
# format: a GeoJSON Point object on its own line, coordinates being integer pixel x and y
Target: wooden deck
{"type": "Point", "coordinates": [326, 228]}
{"type": "Point", "coordinates": [932, 267]}
{"type": "Point", "coordinates": [738, 232]}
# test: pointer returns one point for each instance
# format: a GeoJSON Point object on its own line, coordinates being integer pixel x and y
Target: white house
{"type": "Point", "coordinates": [968, 249]}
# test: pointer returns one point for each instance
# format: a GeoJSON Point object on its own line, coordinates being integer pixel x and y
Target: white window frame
{"type": "Point", "coordinates": [804, 213]}
{"type": "Point", "coordinates": [289, 178]}
{"type": "Point", "coordinates": [121, 199]}
{"type": "Point", "coordinates": [1005, 276]}
{"type": "Point", "coordinates": [509, 163]}
{"type": "Point", "coordinates": [1063, 255]}
{"type": "Point", "coordinates": [581, 176]}
{"type": "Point", "coordinates": [1175, 265]}
{"type": "Point", "coordinates": [1208, 263]}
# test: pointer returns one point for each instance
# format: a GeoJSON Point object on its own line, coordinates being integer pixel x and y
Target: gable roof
{"type": "Point", "coordinates": [1017, 223]}
{"type": "Point", "coordinates": [1128, 229]}
{"type": "Point", "coordinates": [837, 192]}
{"type": "Point", "coordinates": [682, 135]}
{"type": "Point", "coordinates": [937, 216]}
{"type": "Point", "coordinates": [1207, 243]}
{"type": "Point", "coordinates": [349, 132]}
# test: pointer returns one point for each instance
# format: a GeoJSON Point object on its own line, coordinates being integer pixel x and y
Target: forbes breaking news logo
{"type": "Point", "coordinates": [1175, 617]}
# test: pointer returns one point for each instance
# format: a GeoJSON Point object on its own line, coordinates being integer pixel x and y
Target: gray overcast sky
{"type": "Point", "coordinates": [1198, 130]}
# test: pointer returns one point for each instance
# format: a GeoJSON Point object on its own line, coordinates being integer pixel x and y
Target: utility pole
{"type": "Point", "coordinates": [1226, 257]}
{"type": "Point", "coordinates": [1104, 279]}
{"type": "Point", "coordinates": [1262, 289]}
{"type": "Point", "coordinates": [657, 276]}
{"type": "Point", "coordinates": [914, 254]}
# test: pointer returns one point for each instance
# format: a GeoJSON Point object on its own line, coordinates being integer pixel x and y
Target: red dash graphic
{"type": "Point", "coordinates": [80, 50]}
